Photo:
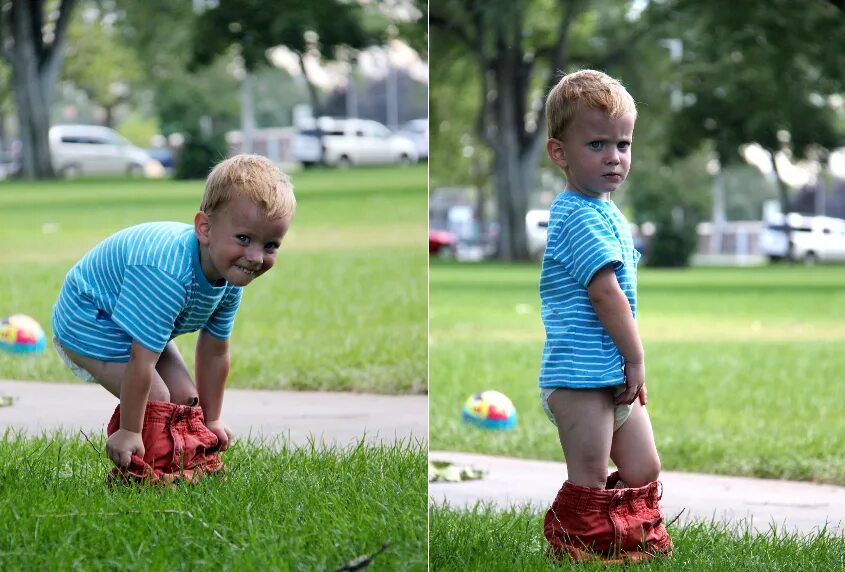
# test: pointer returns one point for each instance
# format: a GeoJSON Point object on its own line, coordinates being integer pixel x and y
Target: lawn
{"type": "Point", "coordinates": [277, 509]}
{"type": "Point", "coordinates": [344, 309]}
{"type": "Point", "coordinates": [490, 540]}
{"type": "Point", "coordinates": [743, 365]}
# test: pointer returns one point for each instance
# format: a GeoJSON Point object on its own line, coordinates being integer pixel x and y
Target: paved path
{"type": "Point", "coordinates": [335, 418]}
{"type": "Point", "coordinates": [799, 507]}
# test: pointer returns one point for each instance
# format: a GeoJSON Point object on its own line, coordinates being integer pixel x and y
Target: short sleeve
{"type": "Point", "coordinates": [148, 304]}
{"type": "Point", "coordinates": [222, 321]}
{"type": "Point", "coordinates": [585, 243]}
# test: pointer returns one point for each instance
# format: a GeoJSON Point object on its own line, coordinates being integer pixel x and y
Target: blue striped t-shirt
{"type": "Point", "coordinates": [585, 235]}
{"type": "Point", "coordinates": [144, 283]}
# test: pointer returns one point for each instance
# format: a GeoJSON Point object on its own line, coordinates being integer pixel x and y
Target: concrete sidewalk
{"type": "Point", "coordinates": [334, 418]}
{"type": "Point", "coordinates": [794, 506]}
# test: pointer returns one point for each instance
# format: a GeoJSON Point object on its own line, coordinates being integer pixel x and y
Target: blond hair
{"type": "Point", "coordinates": [585, 89]}
{"type": "Point", "coordinates": [253, 177]}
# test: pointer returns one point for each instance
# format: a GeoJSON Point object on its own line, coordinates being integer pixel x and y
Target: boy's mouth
{"type": "Point", "coordinates": [246, 271]}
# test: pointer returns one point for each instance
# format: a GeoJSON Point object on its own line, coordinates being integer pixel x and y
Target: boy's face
{"type": "Point", "coordinates": [238, 243]}
{"type": "Point", "coordinates": [595, 152]}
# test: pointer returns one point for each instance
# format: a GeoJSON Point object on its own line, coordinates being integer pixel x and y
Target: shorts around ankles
{"type": "Point", "coordinates": [76, 370]}
{"type": "Point", "coordinates": [620, 412]}
{"type": "Point", "coordinates": [177, 444]}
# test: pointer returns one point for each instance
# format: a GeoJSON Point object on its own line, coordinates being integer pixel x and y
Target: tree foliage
{"type": "Point", "coordinates": [759, 73]}
{"type": "Point", "coordinates": [160, 33]}
{"type": "Point", "coordinates": [254, 26]}
{"type": "Point", "coordinates": [99, 63]}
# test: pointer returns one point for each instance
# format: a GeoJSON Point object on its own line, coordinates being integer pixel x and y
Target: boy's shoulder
{"type": "Point", "coordinates": [162, 244]}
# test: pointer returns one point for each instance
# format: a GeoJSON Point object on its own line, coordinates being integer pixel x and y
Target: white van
{"type": "Point", "coordinates": [83, 150]}
{"type": "Point", "coordinates": [349, 142]}
{"type": "Point", "coordinates": [812, 238]}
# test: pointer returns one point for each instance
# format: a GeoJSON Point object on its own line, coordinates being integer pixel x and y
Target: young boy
{"type": "Point", "coordinates": [592, 379]}
{"type": "Point", "coordinates": [123, 303]}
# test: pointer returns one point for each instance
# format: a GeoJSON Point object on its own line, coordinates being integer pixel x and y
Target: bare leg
{"type": "Point", "coordinates": [633, 450]}
{"type": "Point", "coordinates": [585, 425]}
{"type": "Point", "coordinates": [172, 369]}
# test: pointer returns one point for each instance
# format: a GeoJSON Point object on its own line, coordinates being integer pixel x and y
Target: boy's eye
{"type": "Point", "coordinates": [596, 145]}
{"type": "Point", "coordinates": [623, 146]}
{"type": "Point", "coordinates": [271, 247]}
{"type": "Point", "coordinates": [243, 239]}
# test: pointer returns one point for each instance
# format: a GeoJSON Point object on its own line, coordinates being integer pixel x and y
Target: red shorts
{"type": "Point", "coordinates": [177, 444]}
{"type": "Point", "coordinates": [614, 524]}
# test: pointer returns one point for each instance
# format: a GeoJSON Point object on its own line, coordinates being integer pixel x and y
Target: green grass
{"type": "Point", "coordinates": [743, 365]}
{"type": "Point", "coordinates": [490, 540]}
{"type": "Point", "coordinates": [278, 508]}
{"type": "Point", "coordinates": [344, 309]}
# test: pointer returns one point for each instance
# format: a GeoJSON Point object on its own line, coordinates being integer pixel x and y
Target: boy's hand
{"type": "Point", "coordinates": [122, 444]}
{"type": "Point", "coordinates": [634, 384]}
{"type": "Point", "coordinates": [224, 434]}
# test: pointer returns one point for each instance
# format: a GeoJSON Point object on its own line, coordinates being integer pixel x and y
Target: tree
{"type": "Point", "coordinates": [760, 74]}
{"type": "Point", "coordinates": [99, 63]}
{"type": "Point", "coordinates": [160, 33]}
{"type": "Point", "coordinates": [258, 25]}
{"type": "Point", "coordinates": [33, 46]}
{"type": "Point", "coordinates": [519, 49]}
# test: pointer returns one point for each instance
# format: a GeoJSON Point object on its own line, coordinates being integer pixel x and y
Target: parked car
{"type": "Point", "coordinates": [417, 131]}
{"type": "Point", "coordinates": [307, 147]}
{"type": "Point", "coordinates": [536, 232]}
{"type": "Point", "coordinates": [78, 150]}
{"type": "Point", "coordinates": [349, 142]}
{"type": "Point", "coordinates": [164, 155]}
{"type": "Point", "coordinates": [811, 238]}
{"type": "Point", "coordinates": [442, 242]}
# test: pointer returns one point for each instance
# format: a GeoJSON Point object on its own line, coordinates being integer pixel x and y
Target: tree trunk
{"type": "Point", "coordinates": [109, 119]}
{"type": "Point", "coordinates": [35, 67]}
{"type": "Point", "coordinates": [247, 114]}
{"type": "Point", "coordinates": [783, 196]}
{"type": "Point", "coordinates": [312, 89]}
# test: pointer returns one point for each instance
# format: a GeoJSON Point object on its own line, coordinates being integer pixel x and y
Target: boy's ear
{"type": "Point", "coordinates": [557, 155]}
{"type": "Point", "coordinates": [201, 227]}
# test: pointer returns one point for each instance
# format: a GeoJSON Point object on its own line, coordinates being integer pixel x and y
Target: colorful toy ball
{"type": "Point", "coordinates": [20, 334]}
{"type": "Point", "coordinates": [490, 410]}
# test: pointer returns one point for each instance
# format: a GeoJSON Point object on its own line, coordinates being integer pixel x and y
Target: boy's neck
{"type": "Point", "coordinates": [588, 194]}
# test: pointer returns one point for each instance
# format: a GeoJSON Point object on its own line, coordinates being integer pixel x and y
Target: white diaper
{"type": "Point", "coordinates": [78, 371]}
{"type": "Point", "coordinates": [620, 412]}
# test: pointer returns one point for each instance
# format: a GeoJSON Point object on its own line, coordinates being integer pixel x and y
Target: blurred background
{"type": "Point", "coordinates": [172, 86]}
{"type": "Point", "coordinates": [741, 122]}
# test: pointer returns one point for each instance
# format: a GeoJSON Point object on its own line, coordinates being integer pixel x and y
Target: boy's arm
{"type": "Point", "coordinates": [135, 389]}
{"type": "Point", "coordinates": [614, 312]}
{"type": "Point", "coordinates": [212, 369]}
{"type": "Point", "coordinates": [134, 392]}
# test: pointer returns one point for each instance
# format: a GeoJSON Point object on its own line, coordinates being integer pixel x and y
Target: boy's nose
{"type": "Point", "coordinates": [255, 255]}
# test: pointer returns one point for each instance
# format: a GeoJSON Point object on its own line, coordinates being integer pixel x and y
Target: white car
{"type": "Point", "coordinates": [78, 150]}
{"type": "Point", "coordinates": [349, 142]}
{"type": "Point", "coordinates": [536, 231]}
{"type": "Point", "coordinates": [812, 238]}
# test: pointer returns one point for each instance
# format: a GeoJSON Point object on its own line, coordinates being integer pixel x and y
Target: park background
{"type": "Point", "coordinates": [344, 310]}
{"type": "Point", "coordinates": [739, 103]}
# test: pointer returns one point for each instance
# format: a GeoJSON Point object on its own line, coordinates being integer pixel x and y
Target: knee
{"type": "Point", "coordinates": [641, 473]}
{"type": "Point", "coordinates": [159, 392]}
{"type": "Point", "coordinates": [588, 471]}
